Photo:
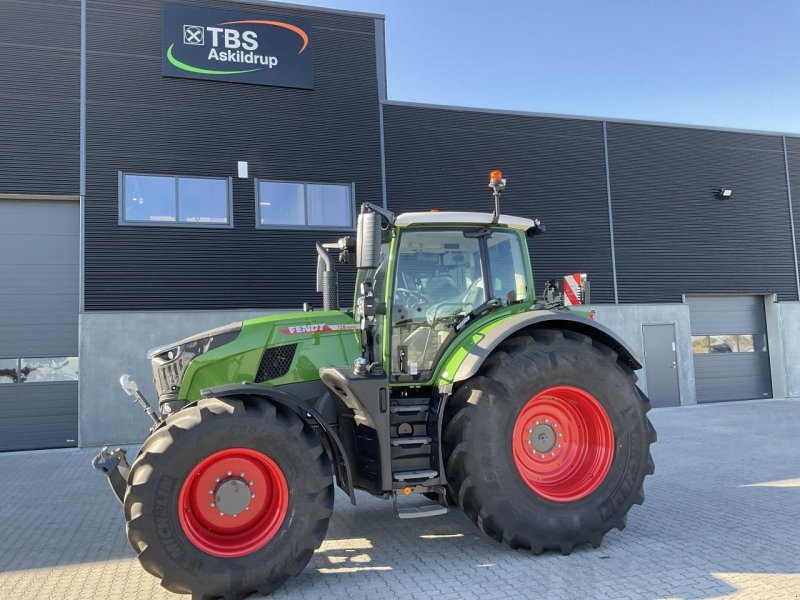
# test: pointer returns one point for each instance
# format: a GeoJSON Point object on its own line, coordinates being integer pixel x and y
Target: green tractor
{"type": "Point", "coordinates": [448, 384]}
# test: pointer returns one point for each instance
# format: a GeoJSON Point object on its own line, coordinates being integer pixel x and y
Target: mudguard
{"type": "Point", "coordinates": [500, 330]}
{"type": "Point", "coordinates": [301, 409]}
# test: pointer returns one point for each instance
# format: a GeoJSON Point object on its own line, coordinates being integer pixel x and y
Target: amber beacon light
{"type": "Point", "coordinates": [497, 183]}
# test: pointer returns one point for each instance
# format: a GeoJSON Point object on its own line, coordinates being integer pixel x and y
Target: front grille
{"type": "Point", "coordinates": [167, 377]}
{"type": "Point", "coordinates": [275, 362]}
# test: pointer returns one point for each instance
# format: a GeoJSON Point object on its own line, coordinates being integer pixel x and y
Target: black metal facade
{"type": "Point", "coordinates": [140, 121]}
{"type": "Point", "coordinates": [39, 94]}
{"type": "Point", "coordinates": [440, 158]}
{"type": "Point", "coordinates": [673, 234]}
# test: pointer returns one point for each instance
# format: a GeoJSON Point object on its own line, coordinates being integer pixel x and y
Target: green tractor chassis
{"type": "Point", "coordinates": [447, 385]}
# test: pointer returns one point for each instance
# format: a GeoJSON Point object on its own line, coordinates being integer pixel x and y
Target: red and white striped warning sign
{"type": "Point", "coordinates": [573, 289]}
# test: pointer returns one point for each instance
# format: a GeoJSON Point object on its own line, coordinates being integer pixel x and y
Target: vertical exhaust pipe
{"type": "Point", "coordinates": [326, 279]}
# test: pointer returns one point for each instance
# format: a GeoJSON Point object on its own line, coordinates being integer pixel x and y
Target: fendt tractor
{"type": "Point", "coordinates": [448, 384]}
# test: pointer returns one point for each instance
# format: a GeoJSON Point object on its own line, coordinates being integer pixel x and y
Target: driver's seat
{"type": "Point", "coordinates": [440, 288]}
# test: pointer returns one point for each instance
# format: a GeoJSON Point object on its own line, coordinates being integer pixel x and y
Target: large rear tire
{"type": "Point", "coordinates": [549, 444]}
{"type": "Point", "coordinates": [228, 498]}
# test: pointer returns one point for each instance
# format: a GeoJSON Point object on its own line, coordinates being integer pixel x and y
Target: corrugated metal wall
{"type": "Point", "coordinates": [439, 158]}
{"type": "Point", "coordinates": [39, 94]}
{"type": "Point", "coordinates": [674, 235]}
{"type": "Point", "coordinates": [140, 121]}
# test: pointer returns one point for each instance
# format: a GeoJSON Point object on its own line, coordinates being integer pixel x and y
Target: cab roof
{"type": "Point", "coordinates": [460, 218]}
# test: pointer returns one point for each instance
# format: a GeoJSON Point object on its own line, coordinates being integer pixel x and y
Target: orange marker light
{"type": "Point", "coordinates": [434, 210]}
{"type": "Point", "coordinates": [495, 175]}
{"type": "Point", "coordinates": [407, 490]}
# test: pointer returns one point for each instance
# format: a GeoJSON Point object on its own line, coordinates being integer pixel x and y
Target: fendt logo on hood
{"type": "Point", "coordinates": [223, 45]}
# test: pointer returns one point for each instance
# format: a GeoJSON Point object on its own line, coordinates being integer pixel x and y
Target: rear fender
{"type": "Point", "coordinates": [462, 366]}
{"type": "Point", "coordinates": [342, 466]}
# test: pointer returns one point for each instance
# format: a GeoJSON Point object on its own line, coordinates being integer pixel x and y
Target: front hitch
{"type": "Point", "coordinates": [115, 466]}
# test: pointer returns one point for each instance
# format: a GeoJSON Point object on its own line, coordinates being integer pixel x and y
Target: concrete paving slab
{"type": "Point", "coordinates": [721, 520]}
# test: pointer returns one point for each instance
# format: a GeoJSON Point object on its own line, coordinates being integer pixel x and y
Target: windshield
{"type": "Point", "coordinates": [440, 279]}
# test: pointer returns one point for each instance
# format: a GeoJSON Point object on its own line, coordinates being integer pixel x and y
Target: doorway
{"type": "Point", "coordinates": [661, 364]}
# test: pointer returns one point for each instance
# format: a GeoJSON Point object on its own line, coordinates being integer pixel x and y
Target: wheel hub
{"type": "Point", "coordinates": [563, 443]}
{"type": "Point", "coordinates": [233, 496]}
{"type": "Point", "coordinates": [543, 438]}
{"type": "Point", "coordinates": [233, 502]}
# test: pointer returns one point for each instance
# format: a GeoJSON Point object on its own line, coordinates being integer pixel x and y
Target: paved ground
{"type": "Point", "coordinates": [721, 519]}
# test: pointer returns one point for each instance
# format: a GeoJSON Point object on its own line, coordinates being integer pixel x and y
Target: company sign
{"type": "Point", "coordinates": [224, 45]}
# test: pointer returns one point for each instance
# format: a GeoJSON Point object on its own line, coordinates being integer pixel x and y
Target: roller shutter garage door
{"type": "Point", "coordinates": [38, 324]}
{"type": "Point", "coordinates": [729, 347]}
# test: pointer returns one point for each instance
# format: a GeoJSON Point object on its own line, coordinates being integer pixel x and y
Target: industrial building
{"type": "Point", "coordinates": [166, 167]}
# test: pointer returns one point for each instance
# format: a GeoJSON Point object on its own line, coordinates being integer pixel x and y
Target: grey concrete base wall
{"type": "Point", "coordinates": [113, 343]}
{"type": "Point", "coordinates": [787, 315]}
{"type": "Point", "coordinates": [626, 321]}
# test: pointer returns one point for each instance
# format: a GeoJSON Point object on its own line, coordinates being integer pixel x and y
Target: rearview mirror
{"type": "Point", "coordinates": [368, 240]}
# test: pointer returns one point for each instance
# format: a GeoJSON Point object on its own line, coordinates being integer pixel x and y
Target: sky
{"type": "Point", "coordinates": [723, 63]}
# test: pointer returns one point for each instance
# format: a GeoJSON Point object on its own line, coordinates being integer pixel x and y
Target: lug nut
{"type": "Point", "coordinates": [530, 442]}
{"type": "Point", "coordinates": [541, 456]}
{"type": "Point", "coordinates": [213, 505]}
{"type": "Point", "coordinates": [210, 491]}
{"type": "Point", "coordinates": [221, 514]}
{"type": "Point", "coordinates": [250, 484]}
{"type": "Point", "coordinates": [530, 430]}
{"type": "Point", "coordinates": [545, 420]}
{"type": "Point", "coordinates": [252, 495]}
{"type": "Point", "coordinates": [551, 454]}
{"type": "Point", "coordinates": [230, 473]}
{"type": "Point", "coordinates": [216, 479]}
{"type": "Point", "coordinates": [241, 474]}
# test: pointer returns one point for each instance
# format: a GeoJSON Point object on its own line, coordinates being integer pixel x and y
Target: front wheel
{"type": "Point", "coordinates": [548, 445]}
{"type": "Point", "coordinates": [230, 497]}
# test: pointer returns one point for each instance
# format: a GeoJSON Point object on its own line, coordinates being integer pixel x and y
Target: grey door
{"type": "Point", "coordinates": [661, 364]}
{"type": "Point", "coordinates": [729, 347]}
{"type": "Point", "coordinates": [38, 324]}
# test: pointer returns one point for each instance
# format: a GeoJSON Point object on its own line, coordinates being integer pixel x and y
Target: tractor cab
{"type": "Point", "coordinates": [425, 276]}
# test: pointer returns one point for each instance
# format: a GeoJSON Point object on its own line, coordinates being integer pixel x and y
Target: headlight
{"type": "Point", "coordinates": [169, 362]}
{"type": "Point", "coordinates": [197, 344]}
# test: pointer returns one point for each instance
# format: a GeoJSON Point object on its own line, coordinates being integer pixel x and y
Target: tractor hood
{"type": "Point", "coordinates": [272, 350]}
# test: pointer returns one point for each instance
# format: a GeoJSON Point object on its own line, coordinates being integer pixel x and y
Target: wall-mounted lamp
{"type": "Point", "coordinates": [725, 193]}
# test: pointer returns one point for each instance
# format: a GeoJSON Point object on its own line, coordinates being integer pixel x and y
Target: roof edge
{"type": "Point", "coordinates": [523, 113]}
{"type": "Point", "coordinates": [323, 9]}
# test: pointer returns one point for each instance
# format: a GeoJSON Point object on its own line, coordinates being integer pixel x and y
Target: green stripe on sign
{"type": "Point", "coordinates": [183, 66]}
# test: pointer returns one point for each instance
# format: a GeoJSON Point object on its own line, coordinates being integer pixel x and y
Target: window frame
{"type": "Point", "coordinates": [352, 192]}
{"type": "Point", "coordinates": [121, 220]}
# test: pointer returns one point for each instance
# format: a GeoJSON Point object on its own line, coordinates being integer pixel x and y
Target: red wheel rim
{"type": "Point", "coordinates": [233, 502]}
{"type": "Point", "coordinates": [563, 443]}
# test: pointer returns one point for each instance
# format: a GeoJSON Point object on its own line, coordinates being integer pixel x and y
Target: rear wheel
{"type": "Point", "coordinates": [548, 445]}
{"type": "Point", "coordinates": [228, 498]}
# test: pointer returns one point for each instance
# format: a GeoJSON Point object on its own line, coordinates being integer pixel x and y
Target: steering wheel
{"type": "Point", "coordinates": [410, 297]}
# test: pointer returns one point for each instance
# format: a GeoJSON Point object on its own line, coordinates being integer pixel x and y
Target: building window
{"type": "Point", "coordinates": [289, 204]}
{"type": "Point", "coordinates": [38, 370]}
{"type": "Point", "coordinates": [175, 200]}
{"type": "Point", "coordinates": [728, 343]}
